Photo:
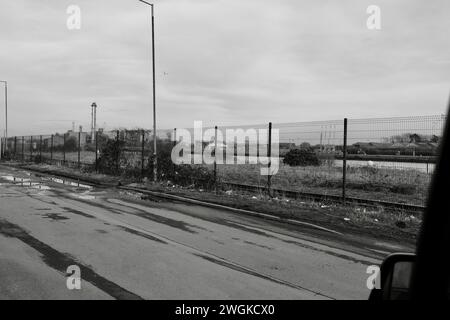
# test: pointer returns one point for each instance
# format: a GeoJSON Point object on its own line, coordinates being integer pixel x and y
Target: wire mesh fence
{"type": "Point", "coordinates": [387, 159]}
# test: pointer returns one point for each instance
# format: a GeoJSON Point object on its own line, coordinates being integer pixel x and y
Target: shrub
{"type": "Point", "coordinates": [184, 174]}
{"type": "Point", "coordinates": [111, 156]}
{"type": "Point", "coordinates": [301, 157]}
{"type": "Point", "coordinates": [71, 144]}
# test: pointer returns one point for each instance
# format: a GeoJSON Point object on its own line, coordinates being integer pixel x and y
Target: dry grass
{"type": "Point", "coordinates": [407, 186]}
{"type": "Point", "coordinates": [85, 156]}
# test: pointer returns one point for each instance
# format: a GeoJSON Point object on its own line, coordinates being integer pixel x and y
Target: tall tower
{"type": "Point", "coordinates": [93, 121]}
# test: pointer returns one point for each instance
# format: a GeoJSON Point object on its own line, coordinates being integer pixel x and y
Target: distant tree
{"type": "Point", "coordinates": [415, 138]}
{"type": "Point", "coordinates": [301, 157]}
{"type": "Point", "coordinates": [71, 144]}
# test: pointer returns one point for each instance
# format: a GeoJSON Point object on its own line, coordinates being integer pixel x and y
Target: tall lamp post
{"type": "Point", "coordinates": [155, 162]}
{"type": "Point", "coordinates": [6, 113]}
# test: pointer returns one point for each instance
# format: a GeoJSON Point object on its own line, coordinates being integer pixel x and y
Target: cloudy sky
{"type": "Point", "coordinates": [221, 61]}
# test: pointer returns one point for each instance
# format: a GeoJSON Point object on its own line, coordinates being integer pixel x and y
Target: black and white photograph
{"type": "Point", "coordinates": [227, 157]}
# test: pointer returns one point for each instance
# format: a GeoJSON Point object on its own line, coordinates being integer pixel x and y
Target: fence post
{"type": "Point", "coordinates": [269, 155]}
{"type": "Point", "coordinates": [64, 149]}
{"type": "Point", "coordinates": [215, 158]}
{"type": "Point", "coordinates": [51, 150]}
{"type": "Point", "coordinates": [174, 144]}
{"type": "Point", "coordinates": [344, 161]}
{"type": "Point", "coordinates": [40, 149]}
{"type": "Point", "coordinates": [15, 147]}
{"type": "Point", "coordinates": [142, 153]}
{"type": "Point", "coordinates": [118, 153]}
{"type": "Point", "coordinates": [31, 148]}
{"type": "Point", "coordinates": [23, 146]}
{"type": "Point", "coordinates": [96, 151]}
{"type": "Point", "coordinates": [79, 147]}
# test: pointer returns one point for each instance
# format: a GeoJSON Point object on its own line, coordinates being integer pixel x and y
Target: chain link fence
{"type": "Point", "coordinates": [384, 159]}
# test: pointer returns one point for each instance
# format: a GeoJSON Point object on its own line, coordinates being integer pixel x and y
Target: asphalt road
{"type": "Point", "coordinates": [132, 248]}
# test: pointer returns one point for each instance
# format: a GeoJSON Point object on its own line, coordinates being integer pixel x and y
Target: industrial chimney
{"type": "Point", "coordinates": [93, 121]}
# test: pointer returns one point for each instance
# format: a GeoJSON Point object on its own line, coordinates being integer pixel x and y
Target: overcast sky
{"type": "Point", "coordinates": [221, 61]}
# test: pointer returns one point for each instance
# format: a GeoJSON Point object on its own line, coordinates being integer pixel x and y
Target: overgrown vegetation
{"type": "Point", "coordinates": [111, 157]}
{"type": "Point", "coordinates": [113, 160]}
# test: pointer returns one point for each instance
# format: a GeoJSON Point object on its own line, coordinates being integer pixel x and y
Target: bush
{"type": "Point", "coordinates": [301, 157]}
{"type": "Point", "coordinates": [71, 144]}
{"type": "Point", "coordinates": [184, 174]}
{"type": "Point", "coordinates": [111, 157]}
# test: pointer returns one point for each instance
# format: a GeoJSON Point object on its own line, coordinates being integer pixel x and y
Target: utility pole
{"type": "Point", "coordinates": [6, 113]}
{"type": "Point", "coordinates": [155, 162]}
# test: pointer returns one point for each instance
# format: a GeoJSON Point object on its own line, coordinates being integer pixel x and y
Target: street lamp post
{"type": "Point", "coordinates": [155, 162]}
{"type": "Point", "coordinates": [6, 113]}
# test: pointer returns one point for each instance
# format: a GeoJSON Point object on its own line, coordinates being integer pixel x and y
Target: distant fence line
{"type": "Point", "coordinates": [380, 157]}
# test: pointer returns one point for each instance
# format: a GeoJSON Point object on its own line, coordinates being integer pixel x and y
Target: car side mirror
{"type": "Point", "coordinates": [395, 274]}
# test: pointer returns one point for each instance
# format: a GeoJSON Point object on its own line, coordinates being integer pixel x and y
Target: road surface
{"type": "Point", "coordinates": [127, 247]}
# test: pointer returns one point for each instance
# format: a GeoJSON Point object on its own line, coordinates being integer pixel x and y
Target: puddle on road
{"type": "Point", "coordinates": [67, 182]}
{"type": "Point", "coordinates": [40, 185]}
{"type": "Point", "coordinates": [24, 182]}
{"type": "Point", "coordinates": [15, 179]}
